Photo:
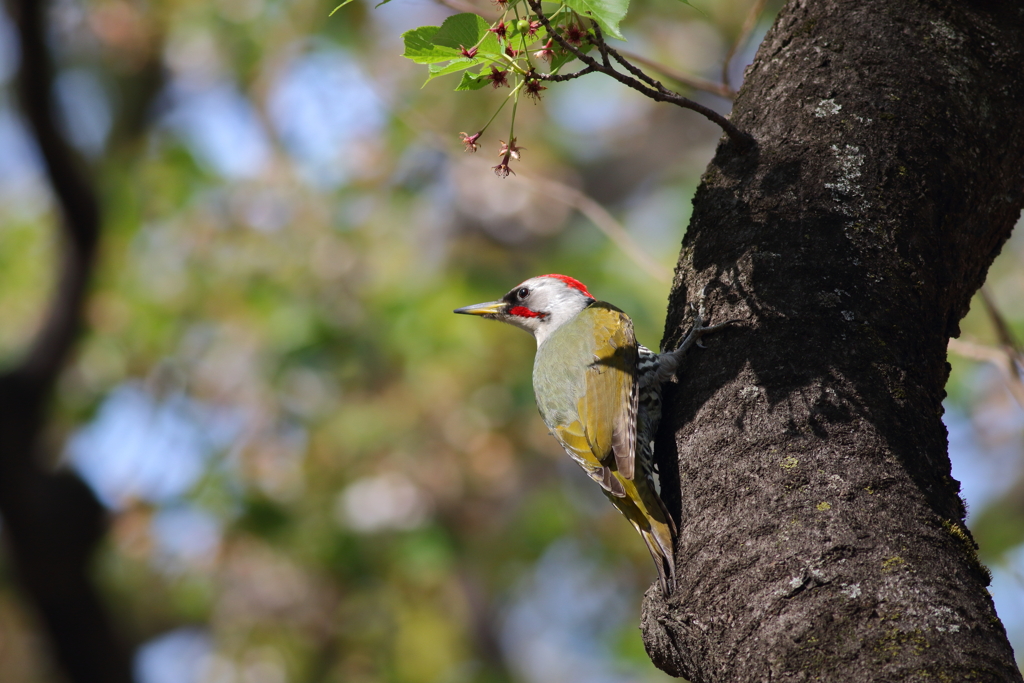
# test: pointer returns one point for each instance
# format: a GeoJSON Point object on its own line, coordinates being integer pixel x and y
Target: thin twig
{"type": "Point", "coordinates": [999, 357]}
{"type": "Point", "coordinates": [657, 93]}
{"type": "Point", "coordinates": [688, 81]}
{"type": "Point", "coordinates": [602, 46]}
{"type": "Point", "coordinates": [748, 26]}
{"type": "Point", "coordinates": [636, 71]}
{"type": "Point", "coordinates": [604, 221]}
{"type": "Point", "coordinates": [558, 78]}
{"type": "Point", "coordinates": [1006, 337]}
{"type": "Point", "coordinates": [692, 82]}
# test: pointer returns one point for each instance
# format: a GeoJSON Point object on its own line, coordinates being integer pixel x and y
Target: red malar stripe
{"type": "Point", "coordinates": [571, 282]}
{"type": "Point", "coordinates": [524, 312]}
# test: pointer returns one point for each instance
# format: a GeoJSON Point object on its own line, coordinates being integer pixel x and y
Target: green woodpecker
{"type": "Point", "coordinates": [599, 393]}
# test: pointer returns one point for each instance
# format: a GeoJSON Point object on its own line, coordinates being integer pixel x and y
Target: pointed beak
{"type": "Point", "coordinates": [489, 308]}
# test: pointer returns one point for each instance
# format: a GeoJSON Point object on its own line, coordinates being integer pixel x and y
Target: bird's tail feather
{"type": "Point", "coordinates": [643, 514]}
{"type": "Point", "coordinates": [660, 547]}
{"type": "Point", "coordinates": [664, 563]}
{"type": "Point", "coordinates": [663, 533]}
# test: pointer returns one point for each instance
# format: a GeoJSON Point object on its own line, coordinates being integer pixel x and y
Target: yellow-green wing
{"type": "Point", "coordinates": [608, 407]}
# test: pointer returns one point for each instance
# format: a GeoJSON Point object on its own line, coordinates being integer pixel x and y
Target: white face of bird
{"type": "Point", "coordinates": [539, 305]}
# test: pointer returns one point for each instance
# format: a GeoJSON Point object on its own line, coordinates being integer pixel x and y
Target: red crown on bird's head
{"type": "Point", "coordinates": [570, 282]}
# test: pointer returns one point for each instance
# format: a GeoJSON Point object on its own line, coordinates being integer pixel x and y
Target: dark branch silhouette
{"type": "Point", "coordinates": [52, 520]}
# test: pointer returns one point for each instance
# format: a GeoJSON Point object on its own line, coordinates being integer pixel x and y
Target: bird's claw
{"type": "Point", "coordinates": [699, 329]}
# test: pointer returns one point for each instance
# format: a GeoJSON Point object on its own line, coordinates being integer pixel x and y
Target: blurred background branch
{"type": "Point", "coordinates": [1006, 357]}
{"type": "Point", "coordinates": [52, 521]}
{"type": "Point", "coordinates": [1007, 339]}
{"type": "Point", "coordinates": [1005, 360]}
{"type": "Point", "coordinates": [720, 89]}
{"type": "Point", "coordinates": [603, 220]}
{"type": "Point", "coordinates": [749, 22]}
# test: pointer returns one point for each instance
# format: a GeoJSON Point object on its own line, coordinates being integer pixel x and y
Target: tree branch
{"type": "Point", "coordinates": [52, 521]}
{"type": "Point", "coordinates": [601, 46]}
{"type": "Point", "coordinates": [77, 201]}
{"type": "Point", "coordinates": [655, 91]}
{"type": "Point", "coordinates": [558, 78]}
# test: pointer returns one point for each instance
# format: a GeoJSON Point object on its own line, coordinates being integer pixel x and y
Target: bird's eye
{"type": "Point", "coordinates": [523, 293]}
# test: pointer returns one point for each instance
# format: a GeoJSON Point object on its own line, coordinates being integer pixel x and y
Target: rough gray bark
{"type": "Point", "coordinates": [821, 534]}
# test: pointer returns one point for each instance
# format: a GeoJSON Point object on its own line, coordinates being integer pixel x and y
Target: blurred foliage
{"type": "Point", "coordinates": [315, 472]}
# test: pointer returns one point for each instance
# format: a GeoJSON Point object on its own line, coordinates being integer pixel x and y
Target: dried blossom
{"type": "Point", "coordinates": [574, 34]}
{"type": "Point", "coordinates": [498, 77]}
{"type": "Point", "coordinates": [500, 30]}
{"type": "Point", "coordinates": [533, 88]}
{"type": "Point", "coordinates": [468, 53]}
{"type": "Point", "coordinates": [510, 52]}
{"type": "Point", "coordinates": [502, 170]}
{"type": "Point", "coordinates": [470, 141]}
{"type": "Point", "coordinates": [510, 149]}
{"type": "Point", "coordinates": [507, 152]}
{"type": "Point", "coordinates": [532, 30]}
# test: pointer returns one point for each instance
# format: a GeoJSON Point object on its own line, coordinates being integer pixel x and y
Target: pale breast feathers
{"type": "Point", "coordinates": [591, 406]}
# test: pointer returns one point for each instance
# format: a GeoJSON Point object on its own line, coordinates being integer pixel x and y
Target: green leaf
{"type": "Point", "coordinates": [466, 30]}
{"type": "Point", "coordinates": [456, 65]}
{"type": "Point", "coordinates": [384, 2]}
{"type": "Point", "coordinates": [343, 3]}
{"type": "Point", "coordinates": [473, 81]}
{"type": "Point", "coordinates": [420, 49]}
{"type": "Point", "coordinates": [431, 45]}
{"type": "Point", "coordinates": [607, 13]}
{"type": "Point", "coordinates": [461, 64]}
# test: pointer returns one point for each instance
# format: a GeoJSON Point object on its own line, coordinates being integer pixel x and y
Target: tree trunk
{"type": "Point", "coordinates": [821, 534]}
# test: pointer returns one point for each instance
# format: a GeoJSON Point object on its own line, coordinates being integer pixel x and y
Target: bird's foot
{"type": "Point", "coordinates": [699, 329]}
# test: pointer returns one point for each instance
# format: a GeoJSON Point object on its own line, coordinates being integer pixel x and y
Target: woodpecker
{"type": "Point", "coordinates": [599, 393]}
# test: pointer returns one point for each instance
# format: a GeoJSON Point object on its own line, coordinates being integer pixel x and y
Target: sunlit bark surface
{"type": "Point", "coordinates": [822, 536]}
